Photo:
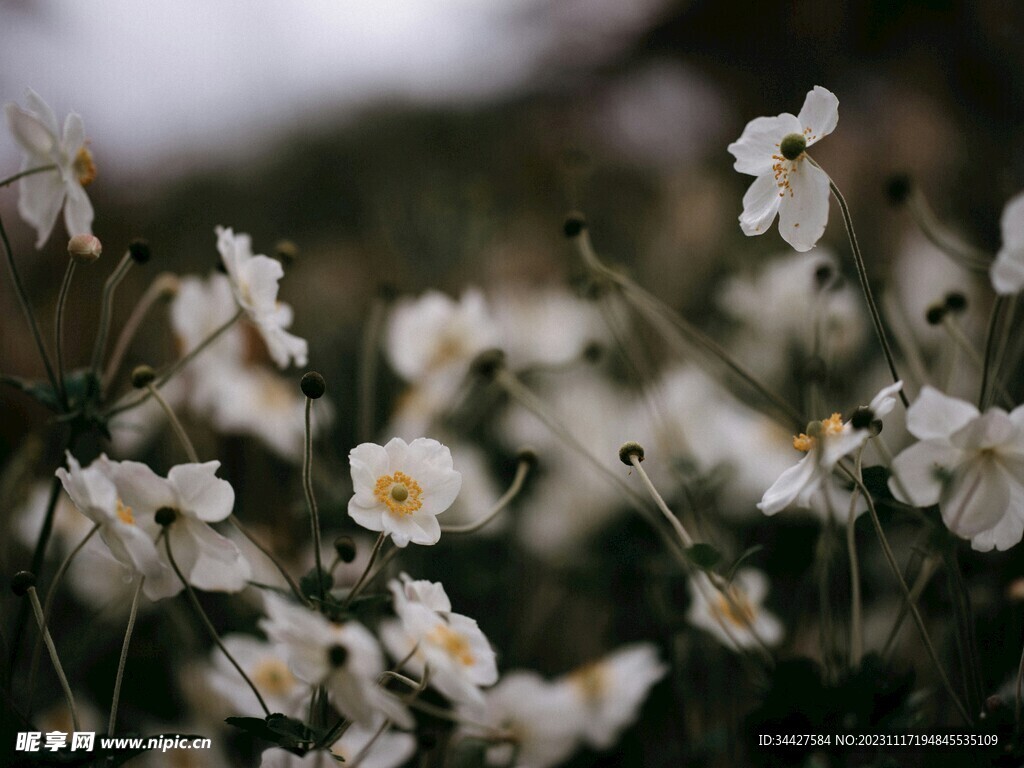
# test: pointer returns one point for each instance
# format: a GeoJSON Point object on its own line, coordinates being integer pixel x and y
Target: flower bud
{"type": "Point", "coordinates": [346, 548]}
{"type": "Point", "coordinates": [313, 385]}
{"type": "Point", "coordinates": [898, 188]}
{"type": "Point", "coordinates": [165, 516]}
{"type": "Point", "coordinates": [337, 655]}
{"type": "Point", "coordinates": [793, 145]}
{"type": "Point", "coordinates": [488, 363]}
{"type": "Point", "coordinates": [527, 455]}
{"type": "Point", "coordinates": [22, 582]}
{"type": "Point", "coordinates": [143, 376]}
{"type": "Point", "coordinates": [935, 314]}
{"type": "Point", "coordinates": [629, 450]}
{"type": "Point", "coordinates": [574, 224]}
{"type": "Point", "coordinates": [862, 418]}
{"type": "Point", "coordinates": [287, 251]}
{"type": "Point", "coordinates": [956, 301]}
{"type": "Point", "coordinates": [85, 249]}
{"type": "Point", "coordinates": [139, 250]}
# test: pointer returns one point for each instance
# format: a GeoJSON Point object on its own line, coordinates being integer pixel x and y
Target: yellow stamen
{"type": "Point", "coordinates": [84, 166]}
{"type": "Point", "coordinates": [125, 513]}
{"type": "Point", "coordinates": [454, 644]}
{"type": "Point", "coordinates": [833, 425]}
{"type": "Point", "coordinates": [592, 681]}
{"type": "Point", "coordinates": [735, 608]}
{"type": "Point", "coordinates": [273, 677]}
{"type": "Point", "coordinates": [399, 493]}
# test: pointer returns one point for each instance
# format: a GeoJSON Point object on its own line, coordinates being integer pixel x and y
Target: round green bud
{"type": "Point", "coordinates": [814, 428]}
{"type": "Point", "coordinates": [629, 450]}
{"type": "Point", "coordinates": [793, 145]}
{"type": "Point", "coordinates": [527, 455]}
{"type": "Point", "coordinates": [956, 301]}
{"type": "Point", "coordinates": [935, 314]}
{"type": "Point", "coordinates": [142, 376]}
{"type": "Point", "coordinates": [313, 385]}
{"type": "Point", "coordinates": [346, 548]}
{"type": "Point", "coordinates": [84, 249]}
{"type": "Point", "coordinates": [574, 224]}
{"type": "Point", "coordinates": [165, 516]}
{"type": "Point", "coordinates": [139, 250]}
{"type": "Point", "coordinates": [487, 364]}
{"type": "Point", "coordinates": [22, 582]}
{"type": "Point", "coordinates": [862, 418]}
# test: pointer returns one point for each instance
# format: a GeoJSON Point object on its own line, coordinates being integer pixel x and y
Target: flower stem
{"type": "Point", "coordinates": [942, 238]}
{"type": "Point", "coordinates": [68, 696]}
{"type": "Point", "coordinates": [208, 624]}
{"type": "Point", "coordinates": [674, 521]}
{"type": "Point", "coordinates": [865, 286]}
{"type": "Point", "coordinates": [176, 425]}
{"type": "Point", "coordinates": [522, 470]}
{"type": "Point", "coordinates": [106, 310]}
{"type": "Point", "coordinates": [307, 487]}
{"type": "Point", "coordinates": [162, 286]}
{"type": "Point", "coordinates": [987, 372]}
{"type": "Point", "coordinates": [28, 172]}
{"type": "Point", "coordinates": [856, 615]}
{"type": "Point", "coordinates": [119, 677]}
{"type": "Point", "coordinates": [26, 308]}
{"type": "Point", "coordinates": [366, 572]}
{"type": "Point", "coordinates": [924, 575]}
{"type": "Point", "coordinates": [62, 298]}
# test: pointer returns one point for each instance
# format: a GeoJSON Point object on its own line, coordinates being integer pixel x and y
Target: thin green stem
{"type": "Point", "coordinates": [928, 568]}
{"type": "Point", "coordinates": [208, 624]}
{"type": "Point", "coordinates": [522, 470]}
{"type": "Point", "coordinates": [26, 308]}
{"type": "Point", "coordinates": [307, 487]}
{"type": "Point", "coordinates": [659, 501]}
{"type": "Point", "coordinates": [987, 372]}
{"type": "Point", "coordinates": [164, 285]}
{"type": "Point", "coordinates": [58, 333]}
{"type": "Point", "coordinates": [37, 609]}
{"type": "Point", "coordinates": [270, 555]}
{"type": "Point", "coordinates": [942, 238]}
{"type": "Point", "coordinates": [106, 310]}
{"type": "Point", "coordinates": [119, 677]}
{"type": "Point", "coordinates": [856, 613]}
{"type": "Point", "coordinates": [862, 275]}
{"type": "Point", "coordinates": [29, 172]}
{"type": "Point", "coordinates": [176, 425]}
{"type": "Point", "coordinates": [366, 571]}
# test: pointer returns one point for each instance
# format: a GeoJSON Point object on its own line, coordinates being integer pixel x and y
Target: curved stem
{"type": "Point", "coordinates": [58, 334]}
{"type": "Point", "coordinates": [522, 470]}
{"type": "Point", "coordinates": [369, 565]}
{"type": "Point", "coordinates": [162, 286]}
{"type": "Point", "coordinates": [674, 521]}
{"type": "Point", "coordinates": [270, 555]}
{"type": "Point", "coordinates": [307, 487]}
{"type": "Point", "coordinates": [987, 374]}
{"type": "Point", "coordinates": [37, 609]}
{"type": "Point", "coordinates": [28, 172]}
{"type": "Point", "coordinates": [124, 657]}
{"type": "Point", "coordinates": [856, 620]}
{"type": "Point", "coordinates": [176, 426]}
{"type": "Point", "coordinates": [208, 624]}
{"type": "Point", "coordinates": [942, 238]}
{"type": "Point", "coordinates": [106, 310]}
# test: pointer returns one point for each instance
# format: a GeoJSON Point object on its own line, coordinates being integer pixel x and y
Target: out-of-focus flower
{"type": "Point", "coordinates": [267, 666]}
{"type": "Point", "coordinates": [85, 249]}
{"type": "Point", "coordinates": [739, 621]}
{"type": "Point", "coordinates": [343, 657]}
{"type": "Point", "coordinates": [197, 497]}
{"type": "Point", "coordinates": [825, 444]}
{"type": "Point", "coordinates": [41, 195]}
{"type": "Point", "coordinates": [129, 533]}
{"type": "Point", "coordinates": [969, 463]}
{"type": "Point", "coordinates": [451, 645]}
{"type": "Point", "coordinates": [539, 716]}
{"type": "Point", "coordinates": [1008, 268]}
{"type": "Point", "coordinates": [400, 488]}
{"type": "Point", "coordinates": [389, 750]}
{"type": "Point", "coordinates": [610, 692]}
{"type": "Point", "coordinates": [788, 183]}
{"type": "Point", "coordinates": [254, 280]}
{"type": "Point", "coordinates": [431, 340]}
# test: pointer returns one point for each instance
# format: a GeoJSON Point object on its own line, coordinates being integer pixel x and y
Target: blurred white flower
{"type": "Point", "coordinates": [451, 645]}
{"type": "Point", "coordinates": [254, 280]}
{"type": "Point", "coordinates": [400, 488]}
{"type": "Point", "coordinates": [969, 463]}
{"type": "Point", "coordinates": [611, 691]}
{"type": "Point", "coordinates": [539, 716]}
{"type": "Point", "coordinates": [788, 183]}
{"type": "Point", "coordinates": [390, 750]}
{"type": "Point", "coordinates": [345, 658]}
{"type": "Point", "coordinates": [739, 621]}
{"type": "Point", "coordinates": [431, 340]}
{"type": "Point", "coordinates": [41, 195]}
{"type": "Point", "coordinates": [128, 532]}
{"type": "Point", "coordinates": [266, 665]}
{"type": "Point", "coordinates": [832, 439]}
{"type": "Point", "coordinates": [198, 497]}
{"type": "Point", "coordinates": [1008, 268]}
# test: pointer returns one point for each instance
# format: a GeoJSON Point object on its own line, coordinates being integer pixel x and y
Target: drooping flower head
{"type": "Point", "coordinates": [42, 195]}
{"type": "Point", "coordinates": [401, 488]}
{"type": "Point", "coordinates": [1008, 268]}
{"type": "Point", "coordinates": [969, 463]}
{"type": "Point", "coordinates": [788, 183]}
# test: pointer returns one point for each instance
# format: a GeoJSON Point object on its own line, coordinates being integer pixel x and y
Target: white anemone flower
{"type": "Point", "coordinates": [788, 183]}
{"type": "Point", "coordinates": [969, 463]}
{"type": "Point", "coordinates": [254, 280]}
{"type": "Point", "coordinates": [266, 664]}
{"type": "Point", "coordinates": [198, 497]}
{"type": "Point", "coordinates": [610, 692]}
{"type": "Point", "coordinates": [129, 535]}
{"type": "Point", "coordinates": [538, 716]}
{"type": "Point", "coordinates": [1008, 268]}
{"type": "Point", "coordinates": [739, 620]}
{"type": "Point", "coordinates": [345, 658]}
{"type": "Point", "coordinates": [388, 750]}
{"type": "Point", "coordinates": [401, 488]}
{"type": "Point", "coordinates": [829, 440]}
{"type": "Point", "coordinates": [41, 195]}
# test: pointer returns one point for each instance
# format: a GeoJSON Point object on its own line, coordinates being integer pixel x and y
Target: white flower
{"type": "Point", "coordinates": [266, 665]}
{"type": "Point", "coordinates": [254, 280]}
{"type": "Point", "coordinates": [787, 183]}
{"type": "Point", "coordinates": [198, 497]}
{"type": "Point", "coordinates": [1008, 268]}
{"type": "Point", "coordinates": [41, 195]}
{"type": "Point", "coordinates": [833, 440]}
{"type": "Point", "coordinates": [390, 750]}
{"type": "Point", "coordinates": [128, 534]}
{"type": "Point", "coordinates": [457, 653]}
{"type": "Point", "coordinates": [538, 715]}
{"type": "Point", "coordinates": [969, 463]}
{"type": "Point", "coordinates": [740, 620]}
{"type": "Point", "coordinates": [611, 691]}
{"type": "Point", "coordinates": [400, 488]}
{"type": "Point", "coordinates": [343, 657]}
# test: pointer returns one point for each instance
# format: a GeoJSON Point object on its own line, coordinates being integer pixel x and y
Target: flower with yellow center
{"type": "Point", "coordinates": [401, 488]}
{"type": "Point", "coordinates": [833, 425]}
{"type": "Point", "coordinates": [43, 195]}
{"type": "Point", "coordinates": [266, 664]}
{"type": "Point", "coordinates": [736, 620]}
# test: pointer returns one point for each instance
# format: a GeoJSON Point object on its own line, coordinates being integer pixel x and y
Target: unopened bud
{"type": "Point", "coordinates": [527, 455]}
{"type": "Point", "coordinates": [898, 188]}
{"type": "Point", "coordinates": [793, 145]}
{"type": "Point", "coordinates": [85, 249]}
{"type": "Point", "coordinates": [139, 250]}
{"type": "Point", "coordinates": [629, 450]}
{"type": "Point", "coordinates": [488, 363]}
{"type": "Point", "coordinates": [346, 548]}
{"type": "Point", "coordinates": [862, 418]}
{"type": "Point", "coordinates": [313, 385]}
{"type": "Point", "coordinates": [574, 224]}
{"type": "Point", "coordinates": [22, 582]}
{"type": "Point", "coordinates": [142, 376]}
{"type": "Point", "coordinates": [956, 301]}
{"type": "Point", "coordinates": [287, 251]}
{"type": "Point", "coordinates": [935, 314]}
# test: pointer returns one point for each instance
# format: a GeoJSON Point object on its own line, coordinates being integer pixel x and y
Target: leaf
{"type": "Point", "coordinates": [704, 556]}
{"type": "Point", "coordinates": [747, 554]}
{"type": "Point", "coordinates": [286, 732]}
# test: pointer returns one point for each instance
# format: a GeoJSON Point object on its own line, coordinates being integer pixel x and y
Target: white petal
{"type": "Point", "coordinates": [820, 114]}
{"type": "Point", "coordinates": [754, 150]}
{"type": "Point", "coordinates": [40, 197]}
{"type": "Point", "coordinates": [917, 472]}
{"type": "Point", "coordinates": [42, 111]}
{"type": "Point", "coordinates": [78, 213]}
{"type": "Point", "coordinates": [1012, 222]}
{"type": "Point", "coordinates": [1007, 272]}
{"type": "Point", "coordinates": [885, 400]}
{"type": "Point", "coordinates": [760, 204]}
{"type": "Point", "coordinates": [74, 134]}
{"type": "Point", "coordinates": [935, 415]}
{"type": "Point", "coordinates": [201, 492]}
{"type": "Point", "coordinates": [30, 132]}
{"type": "Point", "coordinates": [790, 484]}
{"type": "Point", "coordinates": [212, 561]}
{"type": "Point", "coordinates": [803, 212]}
{"type": "Point", "coordinates": [976, 499]}
{"type": "Point", "coordinates": [1006, 533]}
{"type": "Point", "coordinates": [140, 487]}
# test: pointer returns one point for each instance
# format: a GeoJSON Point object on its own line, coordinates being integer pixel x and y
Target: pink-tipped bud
{"type": "Point", "coordinates": [85, 249]}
